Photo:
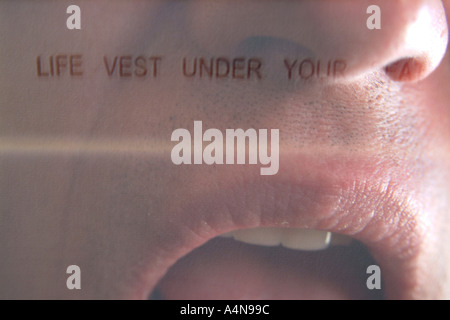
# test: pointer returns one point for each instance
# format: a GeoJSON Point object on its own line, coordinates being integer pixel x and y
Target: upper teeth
{"type": "Point", "coordinates": [301, 239]}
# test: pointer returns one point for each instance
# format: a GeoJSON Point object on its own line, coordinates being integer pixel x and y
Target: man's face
{"type": "Point", "coordinates": [87, 160]}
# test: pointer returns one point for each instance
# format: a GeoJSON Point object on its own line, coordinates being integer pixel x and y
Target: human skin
{"type": "Point", "coordinates": [85, 169]}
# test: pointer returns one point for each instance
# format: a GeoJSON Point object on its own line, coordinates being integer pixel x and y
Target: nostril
{"type": "Point", "coordinates": [407, 69]}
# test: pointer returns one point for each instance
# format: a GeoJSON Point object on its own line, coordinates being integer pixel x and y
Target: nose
{"type": "Point", "coordinates": [413, 42]}
{"type": "Point", "coordinates": [408, 45]}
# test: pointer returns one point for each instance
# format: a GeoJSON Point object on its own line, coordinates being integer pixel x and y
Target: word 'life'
{"type": "Point", "coordinates": [60, 64]}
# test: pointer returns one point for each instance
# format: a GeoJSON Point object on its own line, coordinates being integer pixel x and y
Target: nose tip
{"type": "Point", "coordinates": [421, 41]}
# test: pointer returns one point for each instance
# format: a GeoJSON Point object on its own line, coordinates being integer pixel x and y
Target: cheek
{"type": "Point", "coordinates": [431, 98]}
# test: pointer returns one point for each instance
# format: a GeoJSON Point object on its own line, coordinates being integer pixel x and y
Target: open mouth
{"type": "Point", "coordinates": [297, 235]}
{"type": "Point", "coordinates": [306, 264]}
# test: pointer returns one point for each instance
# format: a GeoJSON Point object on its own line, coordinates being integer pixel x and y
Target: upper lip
{"type": "Point", "coordinates": [355, 197]}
